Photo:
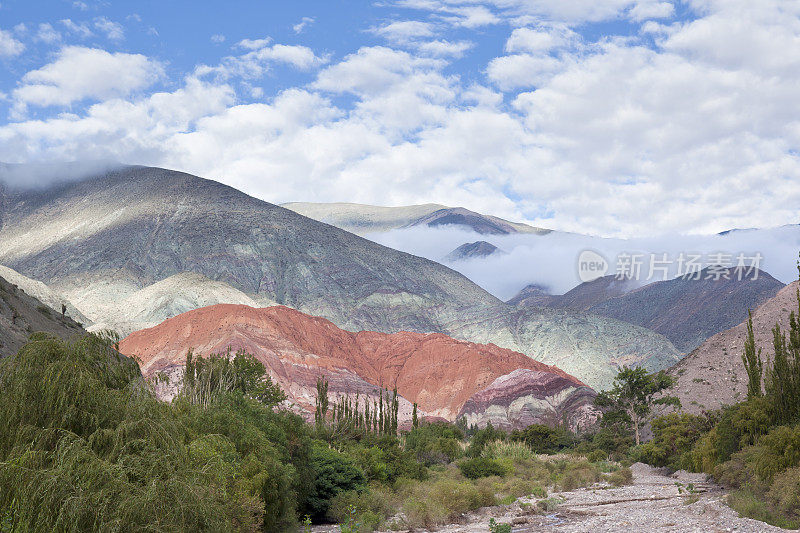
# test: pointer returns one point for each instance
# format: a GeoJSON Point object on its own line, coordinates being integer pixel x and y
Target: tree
{"type": "Point", "coordinates": [633, 396]}
{"type": "Point", "coordinates": [752, 361]}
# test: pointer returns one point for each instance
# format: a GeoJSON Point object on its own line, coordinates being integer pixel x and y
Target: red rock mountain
{"type": "Point", "coordinates": [713, 375]}
{"type": "Point", "coordinates": [439, 373]}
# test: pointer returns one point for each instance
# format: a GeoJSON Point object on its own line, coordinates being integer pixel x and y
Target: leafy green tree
{"type": "Point", "coordinates": [634, 395]}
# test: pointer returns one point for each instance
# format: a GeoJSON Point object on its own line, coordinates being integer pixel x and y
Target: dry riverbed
{"type": "Point", "coordinates": [682, 502]}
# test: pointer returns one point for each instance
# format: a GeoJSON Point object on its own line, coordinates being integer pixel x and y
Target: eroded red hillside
{"type": "Point", "coordinates": [436, 371]}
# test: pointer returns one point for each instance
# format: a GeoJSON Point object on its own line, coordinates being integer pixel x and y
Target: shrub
{"type": "Point", "coordinates": [544, 439]}
{"type": "Point", "coordinates": [495, 527]}
{"type": "Point", "coordinates": [577, 475]}
{"type": "Point", "coordinates": [482, 437]}
{"type": "Point", "coordinates": [334, 473]}
{"type": "Point", "coordinates": [674, 435]}
{"type": "Point", "coordinates": [621, 477]}
{"type": "Point", "coordinates": [478, 467]}
{"type": "Point", "coordinates": [512, 451]}
{"type": "Point", "coordinates": [436, 443]}
{"type": "Point", "coordinates": [444, 500]}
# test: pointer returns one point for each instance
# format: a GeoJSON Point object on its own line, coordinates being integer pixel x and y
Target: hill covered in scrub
{"type": "Point", "coordinates": [22, 314]}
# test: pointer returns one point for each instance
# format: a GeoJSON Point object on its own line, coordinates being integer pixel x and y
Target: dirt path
{"type": "Point", "coordinates": [652, 503]}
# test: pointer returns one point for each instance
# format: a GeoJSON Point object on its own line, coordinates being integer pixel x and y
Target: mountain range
{"type": "Point", "coordinates": [134, 246]}
{"type": "Point", "coordinates": [685, 310]}
{"type": "Point", "coordinates": [363, 219]}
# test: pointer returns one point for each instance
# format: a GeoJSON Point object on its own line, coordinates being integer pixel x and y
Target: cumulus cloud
{"type": "Point", "coordinates": [444, 48]}
{"type": "Point", "coordinates": [218, 38]}
{"type": "Point", "coordinates": [9, 46]}
{"type": "Point", "coordinates": [404, 31]}
{"type": "Point", "coordinates": [259, 59]}
{"type": "Point", "coordinates": [80, 73]}
{"type": "Point", "coordinates": [691, 129]}
{"type": "Point", "coordinates": [651, 10]}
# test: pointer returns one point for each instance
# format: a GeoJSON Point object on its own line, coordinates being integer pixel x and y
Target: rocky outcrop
{"type": "Point", "coordinates": [437, 372]}
{"type": "Point", "coordinates": [713, 374]}
{"type": "Point", "coordinates": [524, 397]}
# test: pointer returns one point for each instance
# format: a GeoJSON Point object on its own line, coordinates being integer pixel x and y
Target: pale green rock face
{"type": "Point", "coordinates": [120, 246]}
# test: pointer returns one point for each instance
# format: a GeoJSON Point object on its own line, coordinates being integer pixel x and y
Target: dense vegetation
{"type": "Point", "coordinates": [86, 446]}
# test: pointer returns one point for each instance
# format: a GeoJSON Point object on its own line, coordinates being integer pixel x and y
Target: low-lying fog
{"type": "Point", "coordinates": [551, 260]}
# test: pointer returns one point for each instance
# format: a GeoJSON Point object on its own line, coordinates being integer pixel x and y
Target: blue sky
{"type": "Point", "coordinates": [613, 117]}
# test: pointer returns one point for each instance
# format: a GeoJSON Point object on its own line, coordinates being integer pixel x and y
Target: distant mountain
{"type": "Point", "coordinates": [689, 311]}
{"type": "Point", "coordinates": [137, 245]}
{"type": "Point", "coordinates": [439, 373]}
{"type": "Point", "coordinates": [533, 295]}
{"type": "Point", "coordinates": [472, 250]}
{"type": "Point", "coordinates": [686, 311]}
{"type": "Point", "coordinates": [581, 298]}
{"type": "Point", "coordinates": [362, 219]}
{"type": "Point", "coordinates": [713, 374]}
{"type": "Point", "coordinates": [22, 314]}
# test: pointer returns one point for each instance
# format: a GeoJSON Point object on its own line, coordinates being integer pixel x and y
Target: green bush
{"type": "Point", "coordinates": [581, 474]}
{"type": "Point", "coordinates": [436, 443]}
{"type": "Point", "coordinates": [483, 436]}
{"type": "Point", "coordinates": [674, 435]}
{"type": "Point", "coordinates": [544, 439]}
{"type": "Point", "coordinates": [621, 477]}
{"type": "Point", "coordinates": [478, 467]}
{"type": "Point", "coordinates": [334, 473]}
{"type": "Point", "coordinates": [84, 446]}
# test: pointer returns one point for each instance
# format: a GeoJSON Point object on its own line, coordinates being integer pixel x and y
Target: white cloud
{"type": "Point", "coordinates": [79, 73]}
{"type": "Point", "coordinates": [81, 30]}
{"type": "Point", "coordinates": [261, 56]}
{"type": "Point", "coordinates": [651, 10]}
{"type": "Point", "coordinates": [372, 70]}
{"type": "Point", "coordinates": [442, 48]}
{"type": "Point", "coordinates": [9, 46]}
{"type": "Point", "coordinates": [217, 38]}
{"type": "Point", "coordinates": [47, 34]}
{"type": "Point", "coordinates": [540, 39]}
{"type": "Point", "coordinates": [404, 31]}
{"type": "Point", "coordinates": [521, 70]}
{"type": "Point", "coordinates": [304, 23]}
{"type": "Point", "coordinates": [471, 16]}
{"type": "Point", "coordinates": [113, 30]}
{"type": "Point", "coordinates": [698, 132]}
{"type": "Point", "coordinates": [254, 44]}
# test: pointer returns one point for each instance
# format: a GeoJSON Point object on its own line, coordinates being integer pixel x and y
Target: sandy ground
{"type": "Point", "coordinates": [653, 502]}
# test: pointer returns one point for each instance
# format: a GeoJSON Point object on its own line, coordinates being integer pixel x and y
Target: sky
{"type": "Point", "coordinates": [617, 118]}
